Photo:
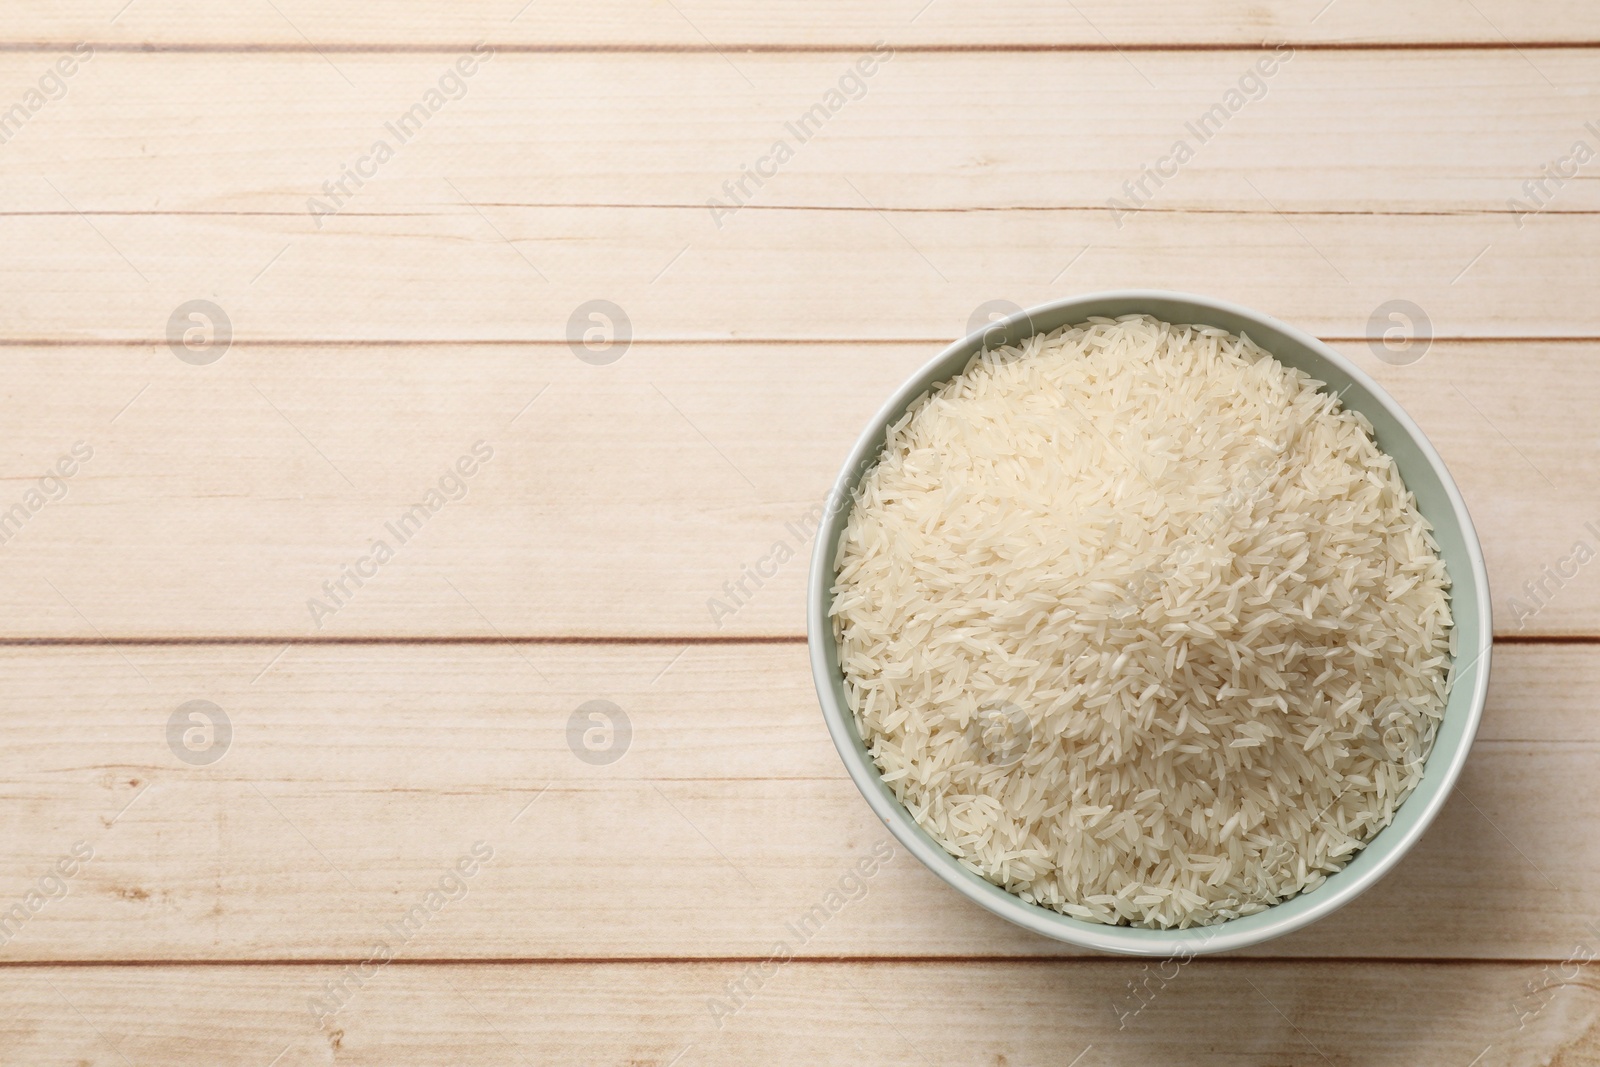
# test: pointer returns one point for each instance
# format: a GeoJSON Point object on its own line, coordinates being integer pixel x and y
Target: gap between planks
{"type": "Point", "coordinates": [887, 209]}
{"type": "Point", "coordinates": [559, 343]}
{"type": "Point", "coordinates": [547, 639]}
{"type": "Point", "coordinates": [534, 639]}
{"type": "Point", "coordinates": [679, 961]}
{"type": "Point", "coordinates": [312, 48]}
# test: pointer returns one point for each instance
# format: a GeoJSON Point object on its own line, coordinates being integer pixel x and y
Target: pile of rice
{"type": "Point", "coordinates": [1141, 625]}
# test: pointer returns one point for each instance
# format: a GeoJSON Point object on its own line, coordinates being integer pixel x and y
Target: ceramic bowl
{"type": "Point", "coordinates": [1437, 498]}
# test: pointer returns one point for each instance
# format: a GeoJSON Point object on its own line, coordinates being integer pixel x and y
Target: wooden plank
{"type": "Point", "coordinates": [627, 500]}
{"type": "Point", "coordinates": [787, 23]}
{"type": "Point", "coordinates": [1212, 1012]}
{"type": "Point", "coordinates": [1357, 178]}
{"type": "Point", "coordinates": [354, 777]}
{"type": "Point", "coordinates": [946, 132]}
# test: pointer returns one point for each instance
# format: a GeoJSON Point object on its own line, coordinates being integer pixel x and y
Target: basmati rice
{"type": "Point", "coordinates": [1141, 625]}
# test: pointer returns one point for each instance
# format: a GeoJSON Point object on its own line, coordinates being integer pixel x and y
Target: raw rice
{"type": "Point", "coordinates": [1141, 625]}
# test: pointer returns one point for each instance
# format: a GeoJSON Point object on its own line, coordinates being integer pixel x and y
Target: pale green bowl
{"type": "Point", "coordinates": [1424, 474]}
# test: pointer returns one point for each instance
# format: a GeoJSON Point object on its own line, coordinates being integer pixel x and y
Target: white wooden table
{"type": "Point", "coordinates": [671, 883]}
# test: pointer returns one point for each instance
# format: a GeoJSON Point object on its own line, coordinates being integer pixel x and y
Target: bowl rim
{"type": "Point", "coordinates": [1127, 940]}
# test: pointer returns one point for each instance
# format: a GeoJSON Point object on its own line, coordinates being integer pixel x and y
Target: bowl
{"type": "Point", "coordinates": [1437, 498]}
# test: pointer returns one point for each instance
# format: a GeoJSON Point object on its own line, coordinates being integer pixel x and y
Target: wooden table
{"type": "Point", "coordinates": [397, 828]}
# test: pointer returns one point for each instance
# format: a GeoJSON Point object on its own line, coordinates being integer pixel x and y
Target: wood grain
{"type": "Point", "coordinates": [356, 776]}
{"type": "Point", "coordinates": [1214, 1012]}
{"type": "Point", "coordinates": [1386, 157]}
{"type": "Point", "coordinates": [624, 501]}
{"type": "Point", "coordinates": [1357, 178]}
{"type": "Point", "coordinates": [1322, 131]}
{"type": "Point", "coordinates": [789, 23]}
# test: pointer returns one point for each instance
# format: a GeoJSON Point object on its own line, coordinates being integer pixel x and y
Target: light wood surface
{"type": "Point", "coordinates": [552, 181]}
{"type": "Point", "coordinates": [359, 773]}
{"type": "Point", "coordinates": [1213, 1013]}
{"type": "Point", "coordinates": [704, 24]}
{"type": "Point", "coordinates": [611, 905]}
{"type": "Point", "coordinates": [627, 495]}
